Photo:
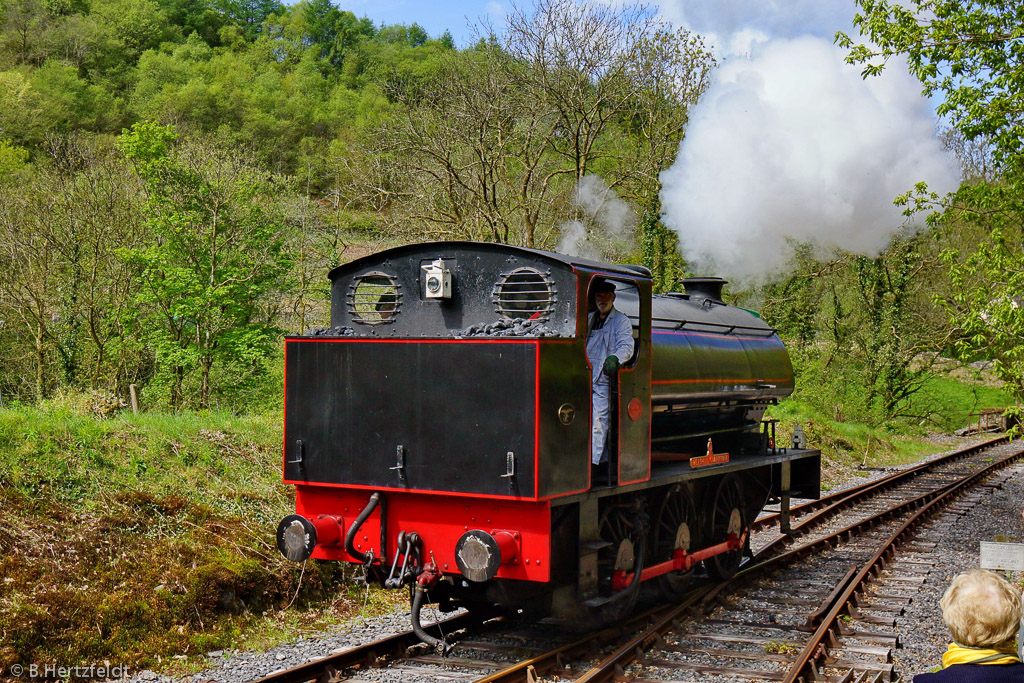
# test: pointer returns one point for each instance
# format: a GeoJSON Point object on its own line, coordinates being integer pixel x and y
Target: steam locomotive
{"type": "Point", "coordinates": [439, 432]}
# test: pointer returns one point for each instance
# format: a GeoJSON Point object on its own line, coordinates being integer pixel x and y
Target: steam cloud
{"type": "Point", "coordinates": [611, 219]}
{"type": "Point", "coordinates": [792, 144]}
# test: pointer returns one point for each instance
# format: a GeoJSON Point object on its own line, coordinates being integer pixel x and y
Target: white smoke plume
{"type": "Point", "coordinates": [790, 143]}
{"type": "Point", "coordinates": [611, 221]}
{"type": "Point", "coordinates": [575, 241]}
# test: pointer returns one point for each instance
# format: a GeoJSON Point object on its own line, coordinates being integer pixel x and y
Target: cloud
{"type": "Point", "coordinates": [725, 19]}
{"type": "Point", "coordinates": [792, 144]}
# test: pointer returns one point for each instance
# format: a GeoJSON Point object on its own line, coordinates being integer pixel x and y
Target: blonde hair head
{"type": "Point", "coordinates": [981, 609]}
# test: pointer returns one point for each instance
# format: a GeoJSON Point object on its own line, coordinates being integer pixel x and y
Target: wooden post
{"type": "Point", "coordinates": [864, 462]}
{"type": "Point", "coordinates": [135, 399]}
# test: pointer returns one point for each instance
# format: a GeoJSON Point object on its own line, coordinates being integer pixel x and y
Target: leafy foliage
{"type": "Point", "coordinates": [217, 256]}
{"type": "Point", "coordinates": [971, 53]}
{"type": "Point", "coordinates": [864, 332]}
{"type": "Point", "coordinates": [659, 252]}
{"type": "Point", "coordinates": [986, 303]}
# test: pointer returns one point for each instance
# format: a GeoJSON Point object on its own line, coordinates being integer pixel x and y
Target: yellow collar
{"type": "Point", "coordinates": [963, 654]}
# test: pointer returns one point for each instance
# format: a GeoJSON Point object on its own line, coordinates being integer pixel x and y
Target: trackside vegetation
{"type": "Point", "coordinates": [139, 539]}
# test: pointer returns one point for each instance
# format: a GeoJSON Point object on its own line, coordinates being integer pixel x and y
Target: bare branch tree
{"type": "Point", "coordinates": [493, 145]}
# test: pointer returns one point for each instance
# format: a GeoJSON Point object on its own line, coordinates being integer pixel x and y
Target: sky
{"type": "Point", "coordinates": [722, 19]}
{"type": "Point", "coordinates": [434, 16]}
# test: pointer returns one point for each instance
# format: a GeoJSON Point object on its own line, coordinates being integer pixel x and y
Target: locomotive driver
{"type": "Point", "coordinates": [609, 343]}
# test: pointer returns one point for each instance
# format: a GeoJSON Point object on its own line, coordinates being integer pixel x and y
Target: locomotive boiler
{"type": "Point", "coordinates": [438, 432]}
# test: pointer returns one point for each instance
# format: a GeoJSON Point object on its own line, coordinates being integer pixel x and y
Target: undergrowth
{"type": "Point", "coordinates": [137, 538]}
{"type": "Point", "coordinates": [838, 418]}
{"type": "Point", "coordinates": [849, 449]}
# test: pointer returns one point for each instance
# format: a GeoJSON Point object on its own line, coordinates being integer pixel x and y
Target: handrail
{"type": "Point", "coordinates": [680, 324]}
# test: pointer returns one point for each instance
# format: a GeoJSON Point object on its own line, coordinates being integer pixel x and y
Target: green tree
{"type": "Point", "coordinates": [12, 160]}
{"type": "Point", "coordinates": [72, 103]}
{"type": "Point", "coordinates": [31, 268]}
{"type": "Point", "coordinates": [194, 16]}
{"type": "Point", "coordinates": [417, 35]}
{"type": "Point", "coordinates": [863, 331]}
{"type": "Point", "coordinates": [891, 338]}
{"type": "Point", "coordinates": [658, 249]}
{"type": "Point", "coordinates": [332, 30]}
{"type": "Point", "coordinates": [215, 264]}
{"type": "Point", "coordinates": [322, 18]}
{"type": "Point", "coordinates": [65, 294]}
{"type": "Point", "coordinates": [21, 109]}
{"type": "Point", "coordinates": [987, 303]}
{"type": "Point", "coordinates": [118, 32]}
{"type": "Point", "coordinates": [970, 54]}
{"type": "Point", "coordinates": [249, 14]}
{"type": "Point", "coordinates": [412, 35]}
{"type": "Point", "coordinates": [493, 140]}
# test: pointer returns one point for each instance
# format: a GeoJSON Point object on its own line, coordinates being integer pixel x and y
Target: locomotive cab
{"type": "Point", "coordinates": [628, 443]}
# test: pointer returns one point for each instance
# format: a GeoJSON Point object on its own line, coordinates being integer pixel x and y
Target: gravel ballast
{"type": "Point", "coordinates": [922, 631]}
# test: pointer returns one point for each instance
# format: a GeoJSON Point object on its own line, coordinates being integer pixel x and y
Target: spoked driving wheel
{"type": "Point", "coordinates": [624, 527]}
{"type": "Point", "coordinates": [727, 517]}
{"type": "Point", "coordinates": [675, 528]}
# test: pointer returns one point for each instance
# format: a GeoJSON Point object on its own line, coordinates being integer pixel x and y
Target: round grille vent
{"type": "Point", "coordinates": [524, 293]}
{"type": "Point", "coordinates": [374, 299]}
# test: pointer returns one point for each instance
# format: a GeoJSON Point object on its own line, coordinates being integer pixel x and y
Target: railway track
{"type": "Point", "coordinates": [818, 603]}
{"type": "Point", "coordinates": [851, 634]}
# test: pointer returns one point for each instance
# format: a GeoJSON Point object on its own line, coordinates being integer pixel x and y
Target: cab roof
{"type": "Point", "coordinates": [575, 262]}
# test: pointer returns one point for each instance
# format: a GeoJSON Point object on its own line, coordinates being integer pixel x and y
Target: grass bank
{"type": "Point", "coordinates": [138, 538]}
{"type": "Point", "coordinates": [849, 449]}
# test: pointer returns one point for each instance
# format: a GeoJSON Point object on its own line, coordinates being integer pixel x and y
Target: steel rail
{"type": "Point", "coordinates": [548, 661]}
{"type": "Point", "coordinates": [868, 522]}
{"type": "Point", "coordinates": [368, 654]}
{"type": "Point", "coordinates": [587, 644]}
{"type": "Point", "coordinates": [612, 666]}
{"type": "Point", "coordinates": [838, 504]}
{"type": "Point", "coordinates": [830, 628]}
{"type": "Point", "coordinates": [890, 479]}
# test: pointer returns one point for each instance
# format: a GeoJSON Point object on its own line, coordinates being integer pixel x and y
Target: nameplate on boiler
{"type": "Point", "coordinates": [713, 459]}
{"type": "Point", "coordinates": [1002, 556]}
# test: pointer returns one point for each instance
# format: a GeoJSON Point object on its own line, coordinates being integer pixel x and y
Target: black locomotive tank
{"type": "Point", "coordinates": [715, 367]}
{"type": "Point", "coordinates": [706, 351]}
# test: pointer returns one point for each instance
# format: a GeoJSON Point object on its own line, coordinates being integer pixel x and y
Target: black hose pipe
{"type": "Point", "coordinates": [440, 646]}
{"type": "Point", "coordinates": [350, 537]}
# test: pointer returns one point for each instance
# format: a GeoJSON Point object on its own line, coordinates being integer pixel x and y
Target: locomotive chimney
{"type": "Point", "coordinates": [705, 287]}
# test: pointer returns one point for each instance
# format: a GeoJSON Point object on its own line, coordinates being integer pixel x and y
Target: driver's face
{"type": "Point", "coordinates": [604, 301]}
